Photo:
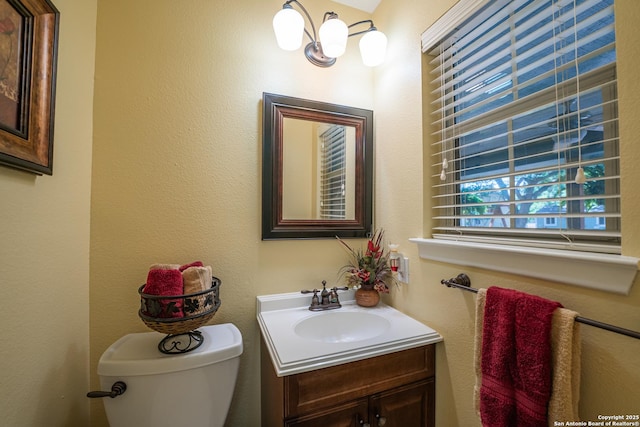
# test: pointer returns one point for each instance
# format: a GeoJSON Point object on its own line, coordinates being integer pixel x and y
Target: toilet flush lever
{"type": "Point", "coordinates": [117, 389]}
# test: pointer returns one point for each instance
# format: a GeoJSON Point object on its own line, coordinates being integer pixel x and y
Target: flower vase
{"type": "Point", "coordinates": [367, 297]}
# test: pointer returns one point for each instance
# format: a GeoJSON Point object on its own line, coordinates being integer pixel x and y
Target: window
{"type": "Point", "coordinates": [333, 172]}
{"type": "Point", "coordinates": [526, 102]}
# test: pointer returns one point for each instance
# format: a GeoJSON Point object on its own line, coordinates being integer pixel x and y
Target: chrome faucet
{"type": "Point", "coordinates": [328, 299]}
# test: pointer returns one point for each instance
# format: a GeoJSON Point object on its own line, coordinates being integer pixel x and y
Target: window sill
{"type": "Point", "coordinates": [604, 272]}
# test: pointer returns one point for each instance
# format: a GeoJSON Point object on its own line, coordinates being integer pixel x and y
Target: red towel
{"type": "Point", "coordinates": [516, 359]}
{"type": "Point", "coordinates": [164, 283]}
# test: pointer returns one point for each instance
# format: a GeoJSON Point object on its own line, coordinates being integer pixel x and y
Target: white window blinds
{"type": "Point", "coordinates": [525, 107]}
{"type": "Point", "coordinates": [333, 173]}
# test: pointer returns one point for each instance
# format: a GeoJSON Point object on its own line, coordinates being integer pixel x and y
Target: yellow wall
{"type": "Point", "coordinates": [176, 131]}
{"type": "Point", "coordinates": [610, 377]}
{"type": "Point", "coordinates": [44, 251]}
{"type": "Point", "coordinates": [299, 158]}
{"type": "Point", "coordinates": [177, 160]}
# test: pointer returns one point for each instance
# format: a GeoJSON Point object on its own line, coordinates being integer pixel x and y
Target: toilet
{"type": "Point", "coordinates": [191, 389]}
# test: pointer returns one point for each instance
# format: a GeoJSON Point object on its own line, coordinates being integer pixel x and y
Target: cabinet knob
{"type": "Point", "coordinates": [381, 420]}
{"type": "Point", "coordinates": [363, 424]}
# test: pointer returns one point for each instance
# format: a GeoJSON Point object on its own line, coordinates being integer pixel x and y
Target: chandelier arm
{"type": "Point", "coordinates": [314, 38]}
{"type": "Point", "coordinates": [371, 27]}
{"type": "Point", "coordinates": [330, 15]}
{"type": "Point", "coordinates": [310, 38]}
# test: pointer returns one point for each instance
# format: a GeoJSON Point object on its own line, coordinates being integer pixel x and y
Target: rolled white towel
{"type": "Point", "coordinates": [196, 279]}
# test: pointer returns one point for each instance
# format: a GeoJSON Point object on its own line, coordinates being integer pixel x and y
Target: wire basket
{"type": "Point", "coordinates": [179, 314]}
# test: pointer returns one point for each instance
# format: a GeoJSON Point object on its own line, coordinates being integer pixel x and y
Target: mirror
{"type": "Point", "coordinates": [317, 169]}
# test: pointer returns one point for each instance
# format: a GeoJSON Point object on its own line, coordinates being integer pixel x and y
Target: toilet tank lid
{"type": "Point", "coordinates": [138, 354]}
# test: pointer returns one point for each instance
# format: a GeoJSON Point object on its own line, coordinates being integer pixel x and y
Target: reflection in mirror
{"type": "Point", "coordinates": [317, 169]}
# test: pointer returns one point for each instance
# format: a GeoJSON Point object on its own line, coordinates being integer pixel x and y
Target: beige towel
{"type": "Point", "coordinates": [477, 347]}
{"type": "Point", "coordinates": [565, 357]}
{"type": "Point", "coordinates": [196, 279]}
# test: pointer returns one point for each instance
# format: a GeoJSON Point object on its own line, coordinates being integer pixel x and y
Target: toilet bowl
{"type": "Point", "coordinates": [191, 389]}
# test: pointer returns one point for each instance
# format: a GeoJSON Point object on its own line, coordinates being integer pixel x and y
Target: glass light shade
{"type": "Point", "coordinates": [288, 25]}
{"type": "Point", "coordinates": [333, 37]}
{"type": "Point", "coordinates": [373, 48]}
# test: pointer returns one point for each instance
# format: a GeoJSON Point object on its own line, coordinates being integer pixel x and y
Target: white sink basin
{"type": "Point", "coordinates": [341, 326]}
{"type": "Point", "coordinates": [299, 340]}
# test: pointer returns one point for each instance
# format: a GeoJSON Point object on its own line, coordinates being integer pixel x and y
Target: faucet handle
{"type": "Point", "coordinates": [315, 301]}
{"type": "Point", "coordinates": [334, 294]}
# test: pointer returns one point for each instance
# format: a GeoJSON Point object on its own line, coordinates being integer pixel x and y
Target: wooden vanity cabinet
{"type": "Point", "coordinates": [394, 390]}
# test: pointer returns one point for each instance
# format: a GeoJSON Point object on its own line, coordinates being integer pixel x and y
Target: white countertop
{"type": "Point", "coordinates": [278, 315]}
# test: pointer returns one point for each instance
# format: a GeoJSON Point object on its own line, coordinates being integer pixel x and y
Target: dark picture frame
{"type": "Point", "coordinates": [28, 62]}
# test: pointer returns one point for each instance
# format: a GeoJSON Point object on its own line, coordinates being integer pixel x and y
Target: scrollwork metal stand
{"type": "Point", "coordinates": [181, 343]}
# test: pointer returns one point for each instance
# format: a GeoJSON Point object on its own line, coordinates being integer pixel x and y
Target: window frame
{"type": "Point", "coordinates": [605, 272]}
{"type": "Point", "coordinates": [452, 219]}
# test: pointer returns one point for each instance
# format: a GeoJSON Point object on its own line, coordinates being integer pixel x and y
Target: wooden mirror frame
{"type": "Point", "coordinates": [275, 109]}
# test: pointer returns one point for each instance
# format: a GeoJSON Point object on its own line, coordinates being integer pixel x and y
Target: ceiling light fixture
{"type": "Point", "coordinates": [289, 26]}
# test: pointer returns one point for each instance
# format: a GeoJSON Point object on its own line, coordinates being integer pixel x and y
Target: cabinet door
{"type": "Point", "coordinates": [408, 406]}
{"type": "Point", "coordinates": [350, 414]}
{"type": "Point", "coordinates": [310, 392]}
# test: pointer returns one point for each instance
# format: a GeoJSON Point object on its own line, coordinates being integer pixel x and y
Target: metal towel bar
{"type": "Point", "coordinates": [463, 282]}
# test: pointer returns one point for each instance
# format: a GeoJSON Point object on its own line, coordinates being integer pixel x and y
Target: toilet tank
{"type": "Point", "coordinates": [190, 389]}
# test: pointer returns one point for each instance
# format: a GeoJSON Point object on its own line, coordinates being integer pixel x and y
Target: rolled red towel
{"type": "Point", "coordinates": [164, 283]}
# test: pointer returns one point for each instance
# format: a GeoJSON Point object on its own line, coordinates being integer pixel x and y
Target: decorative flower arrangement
{"type": "Point", "coordinates": [369, 269]}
